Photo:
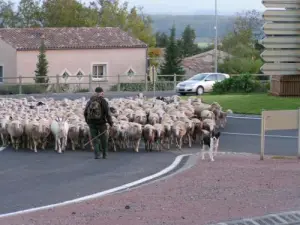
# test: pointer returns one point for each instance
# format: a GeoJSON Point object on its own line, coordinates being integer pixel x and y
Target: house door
{"type": "Point", "coordinates": [1, 74]}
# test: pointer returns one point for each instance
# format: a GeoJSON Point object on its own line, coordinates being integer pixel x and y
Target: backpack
{"type": "Point", "coordinates": [94, 109]}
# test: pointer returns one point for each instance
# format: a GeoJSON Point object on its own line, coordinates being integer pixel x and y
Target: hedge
{"type": "Point", "coordinates": [159, 86]}
{"type": "Point", "coordinates": [245, 83]}
{"type": "Point", "coordinates": [26, 89]}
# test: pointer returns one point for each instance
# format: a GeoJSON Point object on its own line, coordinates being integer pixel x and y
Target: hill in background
{"type": "Point", "coordinates": [203, 25]}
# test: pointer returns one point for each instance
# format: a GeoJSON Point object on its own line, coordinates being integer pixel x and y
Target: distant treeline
{"type": "Point", "coordinates": [202, 24]}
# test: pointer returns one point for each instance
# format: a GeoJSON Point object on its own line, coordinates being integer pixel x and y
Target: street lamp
{"type": "Point", "coordinates": [216, 36]}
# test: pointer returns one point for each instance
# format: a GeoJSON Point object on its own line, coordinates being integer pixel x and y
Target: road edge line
{"type": "Point", "coordinates": [99, 194]}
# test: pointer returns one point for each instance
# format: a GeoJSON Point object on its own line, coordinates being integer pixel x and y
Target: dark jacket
{"type": "Point", "coordinates": [106, 113]}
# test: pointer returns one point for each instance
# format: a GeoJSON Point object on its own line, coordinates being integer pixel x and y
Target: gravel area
{"type": "Point", "coordinates": [232, 187]}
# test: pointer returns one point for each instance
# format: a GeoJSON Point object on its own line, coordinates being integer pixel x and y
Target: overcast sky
{"type": "Point", "coordinates": [194, 6]}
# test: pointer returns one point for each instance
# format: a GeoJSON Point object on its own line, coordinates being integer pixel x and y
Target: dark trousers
{"type": "Point", "coordinates": [100, 143]}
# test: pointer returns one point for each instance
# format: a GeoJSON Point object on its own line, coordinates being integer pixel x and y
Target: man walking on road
{"type": "Point", "coordinates": [97, 114]}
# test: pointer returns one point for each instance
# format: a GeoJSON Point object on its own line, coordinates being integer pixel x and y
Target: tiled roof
{"type": "Point", "coordinates": [204, 62]}
{"type": "Point", "coordinates": [69, 38]}
{"type": "Point", "coordinates": [198, 65]}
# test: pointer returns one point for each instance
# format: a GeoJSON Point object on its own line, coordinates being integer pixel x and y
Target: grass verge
{"type": "Point", "coordinates": [282, 157]}
{"type": "Point", "coordinates": [252, 103]}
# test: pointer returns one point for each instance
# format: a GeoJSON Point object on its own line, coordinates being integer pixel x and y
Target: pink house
{"type": "Point", "coordinates": [73, 53]}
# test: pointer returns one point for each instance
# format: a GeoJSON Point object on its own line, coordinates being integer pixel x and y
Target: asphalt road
{"type": "Point", "coordinates": [243, 135]}
{"type": "Point", "coordinates": [31, 180]}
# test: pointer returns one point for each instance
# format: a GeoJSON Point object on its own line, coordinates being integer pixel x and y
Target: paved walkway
{"type": "Point", "coordinates": [232, 187]}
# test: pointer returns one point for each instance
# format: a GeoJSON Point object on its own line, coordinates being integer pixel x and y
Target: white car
{"type": "Point", "coordinates": [200, 83]}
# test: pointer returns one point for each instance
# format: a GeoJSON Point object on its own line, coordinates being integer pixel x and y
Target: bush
{"type": "Point", "coordinates": [139, 87]}
{"type": "Point", "coordinates": [26, 89]}
{"type": "Point", "coordinates": [81, 90]}
{"type": "Point", "coordinates": [245, 83]}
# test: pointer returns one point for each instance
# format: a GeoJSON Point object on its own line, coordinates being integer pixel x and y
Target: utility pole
{"type": "Point", "coordinates": [216, 36]}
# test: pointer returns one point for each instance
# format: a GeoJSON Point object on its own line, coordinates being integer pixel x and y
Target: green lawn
{"type": "Point", "coordinates": [252, 103]}
{"type": "Point", "coordinates": [203, 44]}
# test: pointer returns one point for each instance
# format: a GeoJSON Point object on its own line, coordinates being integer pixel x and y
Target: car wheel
{"type": "Point", "coordinates": [199, 91]}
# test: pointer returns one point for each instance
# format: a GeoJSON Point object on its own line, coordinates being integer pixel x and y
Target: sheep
{"type": "Point", "coordinates": [73, 135]}
{"type": "Point", "coordinates": [59, 129]}
{"type": "Point", "coordinates": [140, 117]}
{"type": "Point", "coordinates": [15, 129]}
{"type": "Point", "coordinates": [134, 133]}
{"type": "Point", "coordinates": [209, 124]}
{"type": "Point", "coordinates": [159, 136]}
{"type": "Point", "coordinates": [84, 131]}
{"type": "Point", "coordinates": [153, 118]}
{"type": "Point", "coordinates": [170, 118]}
{"type": "Point", "coordinates": [148, 134]}
{"type": "Point", "coordinates": [179, 131]}
{"type": "Point", "coordinates": [223, 118]}
{"type": "Point", "coordinates": [3, 130]}
{"type": "Point", "coordinates": [198, 133]}
{"type": "Point", "coordinates": [35, 133]}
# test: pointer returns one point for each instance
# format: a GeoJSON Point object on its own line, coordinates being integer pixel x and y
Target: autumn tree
{"type": "Point", "coordinates": [41, 72]}
{"type": "Point", "coordinates": [133, 21]}
{"type": "Point", "coordinates": [172, 64]}
{"type": "Point", "coordinates": [68, 13]}
{"type": "Point", "coordinates": [242, 45]}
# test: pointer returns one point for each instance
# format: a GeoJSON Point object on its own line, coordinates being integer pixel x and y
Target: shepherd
{"type": "Point", "coordinates": [97, 114]}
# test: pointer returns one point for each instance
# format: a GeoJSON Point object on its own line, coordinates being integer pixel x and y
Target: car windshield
{"type": "Point", "coordinates": [199, 77]}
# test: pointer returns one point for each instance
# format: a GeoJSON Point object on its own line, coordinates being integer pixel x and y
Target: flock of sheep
{"type": "Point", "coordinates": [159, 122]}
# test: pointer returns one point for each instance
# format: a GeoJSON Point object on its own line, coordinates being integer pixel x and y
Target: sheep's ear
{"type": "Point", "coordinates": [218, 134]}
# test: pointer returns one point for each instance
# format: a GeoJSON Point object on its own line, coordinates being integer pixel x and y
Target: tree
{"type": "Point", "coordinates": [41, 72]}
{"type": "Point", "coordinates": [250, 20]}
{"type": "Point", "coordinates": [8, 17]}
{"type": "Point", "coordinates": [68, 13]}
{"type": "Point", "coordinates": [162, 39]}
{"type": "Point", "coordinates": [188, 45]}
{"type": "Point", "coordinates": [242, 45]}
{"type": "Point", "coordinates": [133, 21]}
{"type": "Point", "coordinates": [139, 26]}
{"type": "Point", "coordinates": [172, 64]}
{"type": "Point", "coordinates": [30, 13]}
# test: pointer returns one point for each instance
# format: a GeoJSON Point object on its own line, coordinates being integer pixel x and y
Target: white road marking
{"type": "Point", "coordinates": [258, 135]}
{"type": "Point", "coordinates": [2, 148]}
{"type": "Point", "coordinates": [103, 193]}
{"type": "Point", "coordinates": [244, 117]}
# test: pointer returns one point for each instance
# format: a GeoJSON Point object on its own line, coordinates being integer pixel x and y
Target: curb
{"type": "Point", "coordinates": [160, 175]}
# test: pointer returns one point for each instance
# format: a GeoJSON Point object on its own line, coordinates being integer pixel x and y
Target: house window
{"type": "Point", "coordinates": [65, 75]}
{"type": "Point", "coordinates": [1, 74]}
{"type": "Point", "coordinates": [99, 71]}
{"type": "Point", "coordinates": [79, 75]}
{"type": "Point", "coordinates": [130, 72]}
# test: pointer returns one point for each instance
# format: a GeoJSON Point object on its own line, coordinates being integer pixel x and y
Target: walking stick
{"type": "Point", "coordinates": [91, 143]}
{"type": "Point", "coordinates": [91, 140]}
